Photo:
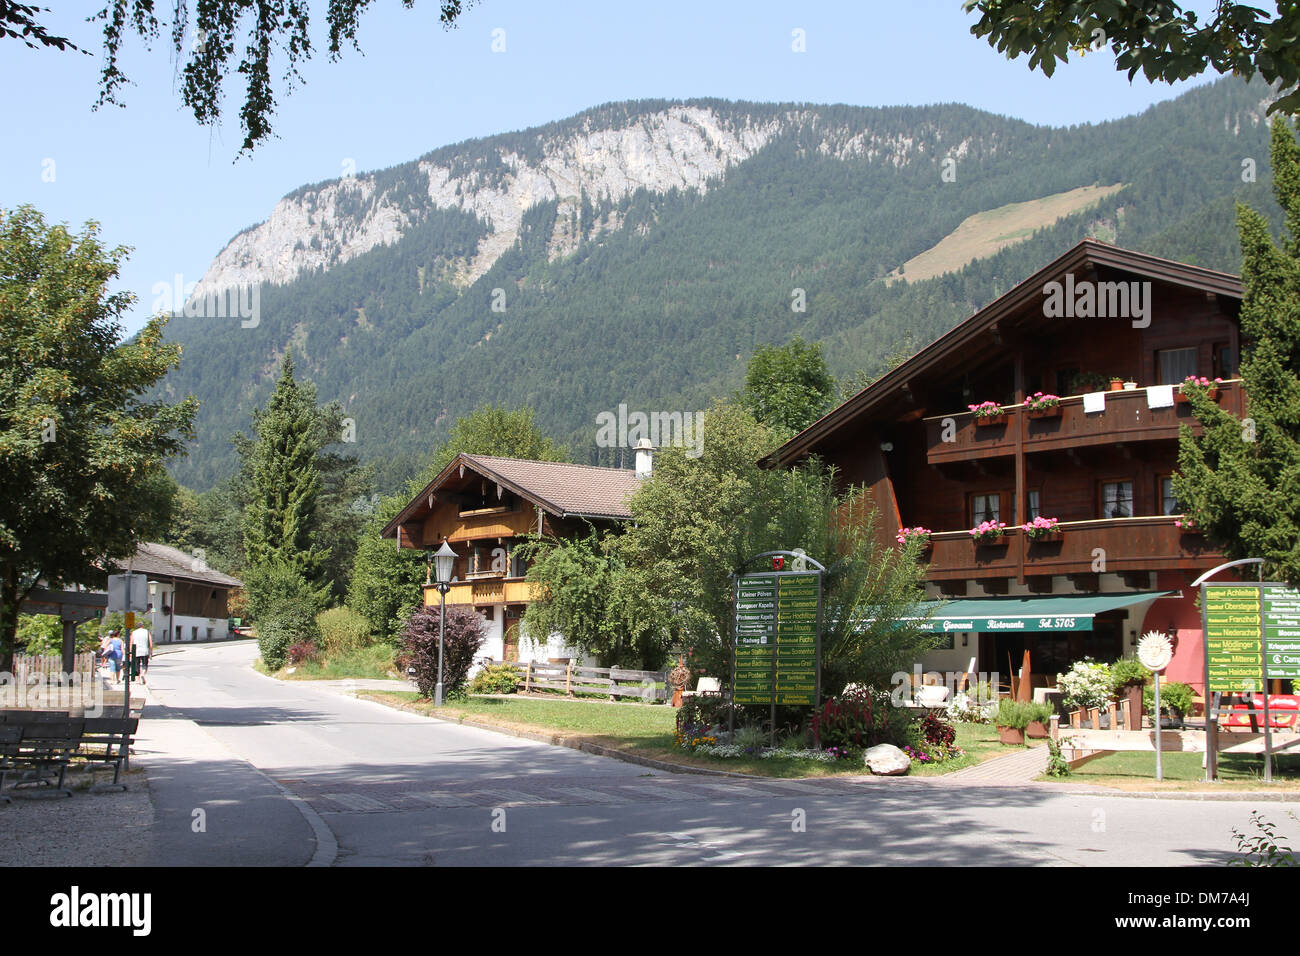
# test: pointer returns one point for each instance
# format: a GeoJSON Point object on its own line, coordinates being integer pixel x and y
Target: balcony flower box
{"type": "Point", "coordinates": [989, 532]}
{"type": "Point", "coordinates": [1211, 387]}
{"type": "Point", "coordinates": [988, 414]}
{"type": "Point", "coordinates": [1041, 405]}
{"type": "Point", "coordinates": [1187, 525]}
{"type": "Point", "coordinates": [1043, 529]}
{"type": "Point", "coordinates": [922, 535]}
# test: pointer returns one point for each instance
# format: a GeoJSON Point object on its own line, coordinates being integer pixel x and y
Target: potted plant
{"type": "Point", "coordinates": [1128, 676]}
{"type": "Point", "coordinates": [921, 535]}
{"type": "Point", "coordinates": [988, 532]}
{"type": "Point", "coordinates": [1187, 524]}
{"type": "Point", "coordinates": [1176, 699]}
{"type": "Point", "coordinates": [1012, 718]}
{"type": "Point", "coordinates": [1117, 383]}
{"type": "Point", "coordinates": [1040, 721]}
{"type": "Point", "coordinates": [1043, 529]}
{"type": "Point", "coordinates": [1085, 686]}
{"type": "Point", "coordinates": [1084, 382]}
{"type": "Point", "coordinates": [988, 413]}
{"type": "Point", "coordinates": [1042, 405]}
{"type": "Point", "coordinates": [1193, 381]}
{"type": "Point", "coordinates": [678, 677]}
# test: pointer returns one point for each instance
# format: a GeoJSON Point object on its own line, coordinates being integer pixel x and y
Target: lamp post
{"type": "Point", "coordinates": [443, 559]}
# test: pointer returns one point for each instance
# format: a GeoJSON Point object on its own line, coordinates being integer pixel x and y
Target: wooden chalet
{"type": "Point", "coordinates": [1100, 464]}
{"type": "Point", "coordinates": [485, 508]}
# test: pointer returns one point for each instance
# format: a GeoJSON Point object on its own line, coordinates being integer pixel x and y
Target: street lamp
{"type": "Point", "coordinates": [443, 559]}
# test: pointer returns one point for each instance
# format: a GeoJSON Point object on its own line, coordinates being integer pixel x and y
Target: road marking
{"type": "Point", "coordinates": [439, 798]}
{"type": "Point", "coordinates": [506, 798]}
{"type": "Point", "coordinates": [660, 791]}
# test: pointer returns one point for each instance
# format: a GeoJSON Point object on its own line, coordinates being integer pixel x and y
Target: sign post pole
{"type": "Point", "coordinates": [1155, 651]}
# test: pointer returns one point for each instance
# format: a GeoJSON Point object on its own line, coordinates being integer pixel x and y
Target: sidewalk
{"type": "Point", "coordinates": [1020, 767]}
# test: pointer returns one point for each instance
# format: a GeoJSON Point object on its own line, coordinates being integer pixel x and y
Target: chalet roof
{"type": "Point", "coordinates": [565, 490]}
{"type": "Point", "coordinates": [1088, 255]}
{"type": "Point", "coordinates": [164, 561]}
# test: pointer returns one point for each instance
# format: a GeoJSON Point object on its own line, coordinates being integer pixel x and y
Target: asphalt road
{"type": "Point", "coordinates": [246, 770]}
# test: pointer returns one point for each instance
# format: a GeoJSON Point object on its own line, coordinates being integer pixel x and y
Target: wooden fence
{"type": "Point", "coordinates": [573, 679]}
{"type": "Point", "coordinates": [46, 668]}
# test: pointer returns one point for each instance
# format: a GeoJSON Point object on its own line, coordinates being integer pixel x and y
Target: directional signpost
{"type": "Point", "coordinates": [1252, 636]}
{"type": "Point", "coordinates": [777, 654]}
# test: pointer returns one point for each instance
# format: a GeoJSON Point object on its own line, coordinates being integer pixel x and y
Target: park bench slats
{"type": "Point", "coordinates": [45, 748]}
{"type": "Point", "coordinates": [41, 744]}
{"type": "Point", "coordinates": [107, 740]}
{"type": "Point", "coordinates": [10, 738]}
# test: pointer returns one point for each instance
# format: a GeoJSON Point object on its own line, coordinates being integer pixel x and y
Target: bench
{"type": "Point", "coordinates": [107, 741]}
{"type": "Point", "coordinates": [44, 749]}
{"type": "Point", "coordinates": [10, 737]}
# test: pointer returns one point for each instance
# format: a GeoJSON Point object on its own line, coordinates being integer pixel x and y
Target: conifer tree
{"type": "Point", "coordinates": [1240, 480]}
{"type": "Point", "coordinates": [283, 478]}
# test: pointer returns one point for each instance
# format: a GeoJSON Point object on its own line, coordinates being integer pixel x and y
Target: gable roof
{"type": "Point", "coordinates": [1087, 254]}
{"type": "Point", "coordinates": [164, 561]}
{"type": "Point", "coordinates": [568, 491]}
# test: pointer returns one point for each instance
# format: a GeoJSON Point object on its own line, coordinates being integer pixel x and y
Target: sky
{"type": "Point", "coordinates": [177, 192]}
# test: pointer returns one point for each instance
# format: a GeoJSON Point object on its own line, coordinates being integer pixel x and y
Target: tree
{"type": "Point", "coordinates": [493, 430]}
{"type": "Point", "coordinates": [788, 386]}
{"type": "Point", "coordinates": [465, 633]}
{"type": "Point", "coordinates": [1240, 480]}
{"type": "Point", "coordinates": [1156, 37]}
{"type": "Point", "coordinates": [262, 27]}
{"type": "Point", "coordinates": [81, 477]}
{"type": "Point", "coordinates": [284, 477]}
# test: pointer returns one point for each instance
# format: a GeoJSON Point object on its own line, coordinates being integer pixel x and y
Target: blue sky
{"type": "Point", "coordinates": [176, 192]}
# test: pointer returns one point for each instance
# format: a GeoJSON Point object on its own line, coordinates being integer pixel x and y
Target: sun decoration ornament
{"type": "Point", "coordinates": [1155, 650]}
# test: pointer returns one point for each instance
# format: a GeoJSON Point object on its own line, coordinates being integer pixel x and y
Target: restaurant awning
{"type": "Point", "coordinates": [1059, 612]}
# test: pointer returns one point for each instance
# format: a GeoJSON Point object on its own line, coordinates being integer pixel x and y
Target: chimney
{"type": "Point", "coordinates": [645, 455]}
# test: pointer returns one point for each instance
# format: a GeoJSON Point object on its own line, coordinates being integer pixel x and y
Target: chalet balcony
{"type": "Point", "coordinates": [1146, 543]}
{"type": "Point", "coordinates": [495, 590]}
{"type": "Point", "coordinates": [1126, 418]}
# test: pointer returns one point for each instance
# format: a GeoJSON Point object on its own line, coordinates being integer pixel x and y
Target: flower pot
{"type": "Point", "coordinates": [1011, 735]}
{"type": "Point", "coordinates": [1117, 385]}
{"type": "Point", "coordinates": [1049, 538]}
{"type": "Point", "coordinates": [988, 421]}
{"type": "Point", "coordinates": [1037, 730]}
{"type": "Point", "coordinates": [990, 542]}
{"type": "Point", "coordinates": [1053, 412]}
{"type": "Point", "coordinates": [1212, 394]}
{"type": "Point", "coordinates": [677, 697]}
{"type": "Point", "coordinates": [1130, 386]}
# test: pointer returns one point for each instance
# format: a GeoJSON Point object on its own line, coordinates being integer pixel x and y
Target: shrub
{"type": "Point", "coordinates": [863, 718]}
{"type": "Point", "coordinates": [1087, 684]}
{"type": "Point", "coordinates": [302, 652]}
{"type": "Point", "coordinates": [937, 731]}
{"type": "Point", "coordinates": [1175, 697]}
{"type": "Point", "coordinates": [466, 632]}
{"type": "Point", "coordinates": [495, 679]}
{"type": "Point", "coordinates": [1014, 714]}
{"type": "Point", "coordinates": [269, 584]}
{"type": "Point", "coordinates": [1041, 713]}
{"type": "Point", "coordinates": [342, 631]}
{"type": "Point", "coordinates": [284, 623]}
{"type": "Point", "coordinates": [750, 740]}
{"type": "Point", "coordinates": [1127, 672]}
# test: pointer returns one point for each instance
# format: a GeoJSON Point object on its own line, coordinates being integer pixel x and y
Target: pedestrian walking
{"type": "Point", "coordinates": [141, 651]}
{"type": "Point", "coordinates": [115, 653]}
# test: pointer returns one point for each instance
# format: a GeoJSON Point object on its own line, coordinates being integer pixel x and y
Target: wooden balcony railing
{"type": "Point", "coordinates": [1127, 418]}
{"type": "Point", "coordinates": [1107, 545]}
{"type": "Point", "coordinates": [493, 591]}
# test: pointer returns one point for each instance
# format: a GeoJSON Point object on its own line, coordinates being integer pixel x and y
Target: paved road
{"type": "Point", "coordinates": [291, 774]}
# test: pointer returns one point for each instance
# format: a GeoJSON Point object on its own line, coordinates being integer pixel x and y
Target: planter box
{"type": "Point", "coordinates": [988, 421]}
{"type": "Point", "coordinates": [1054, 412]}
{"type": "Point", "coordinates": [990, 542]}
{"type": "Point", "coordinates": [1181, 399]}
{"type": "Point", "coordinates": [1010, 735]}
{"type": "Point", "coordinates": [1049, 538]}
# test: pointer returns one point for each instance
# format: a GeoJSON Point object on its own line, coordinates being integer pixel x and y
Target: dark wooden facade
{"type": "Point", "coordinates": [911, 438]}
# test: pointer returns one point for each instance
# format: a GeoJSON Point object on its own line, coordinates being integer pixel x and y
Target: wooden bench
{"type": "Point", "coordinates": [10, 738]}
{"type": "Point", "coordinates": [107, 741]}
{"type": "Point", "coordinates": [45, 749]}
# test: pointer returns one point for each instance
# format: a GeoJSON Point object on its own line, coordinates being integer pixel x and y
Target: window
{"type": "Point", "coordinates": [518, 564]}
{"type": "Point", "coordinates": [1174, 365]}
{"type": "Point", "coordinates": [194, 633]}
{"type": "Point", "coordinates": [985, 508]}
{"type": "Point", "coordinates": [1117, 499]}
{"type": "Point", "coordinates": [1065, 379]}
{"type": "Point", "coordinates": [1033, 506]}
{"type": "Point", "coordinates": [1168, 502]}
{"type": "Point", "coordinates": [1225, 360]}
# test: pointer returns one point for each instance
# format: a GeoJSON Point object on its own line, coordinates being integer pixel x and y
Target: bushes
{"type": "Point", "coordinates": [342, 631]}
{"type": "Point", "coordinates": [466, 632]}
{"type": "Point", "coordinates": [302, 652]}
{"type": "Point", "coordinates": [284, 606]}
{"type": "Point", "coordinates": [495, 679]}
{"type": "Point", "coordinates": [1127, 672]}
{"type": "Point", "coordinates": [1175, 697]}
{"type": "Point", "coordinates": [1087, 684]}
{"type": "Point", "coordinates": [861, 719]}
{"type": "Point", "coordinates": [1016, 714]}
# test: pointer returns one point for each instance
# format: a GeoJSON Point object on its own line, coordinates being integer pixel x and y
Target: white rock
{"type": "Point", "coordinates": [887, 760]}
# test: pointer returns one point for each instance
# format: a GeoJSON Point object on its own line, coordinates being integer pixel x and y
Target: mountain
{"type": "Point", "coordinates": [638, 252]}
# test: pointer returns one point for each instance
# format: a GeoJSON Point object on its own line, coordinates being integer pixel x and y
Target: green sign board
{"type": "Point", "coordinates": [1234, 654]}
{"type": "Point", "coordinates": [777, 641]}
{"type": "Point", "coordinates": [1281, 613]}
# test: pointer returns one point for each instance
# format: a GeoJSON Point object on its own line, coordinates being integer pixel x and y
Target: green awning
{"type": "Point", "coordinates": [1061, 612]}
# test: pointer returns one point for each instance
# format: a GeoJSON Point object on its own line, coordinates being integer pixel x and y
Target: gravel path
{"type": "Point", "coordinates": [86, 829]}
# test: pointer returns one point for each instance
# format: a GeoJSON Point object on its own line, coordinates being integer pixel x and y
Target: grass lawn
{"type": "Point", "coordinates": [647, 729]}
{"type": "Point", "coordinates": [374, 662]}
{"type": "Point", "coordinates": [1183, 771]}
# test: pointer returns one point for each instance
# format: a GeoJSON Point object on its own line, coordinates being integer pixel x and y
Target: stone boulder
{"type": "Point", "coordinates": [887, 760]}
